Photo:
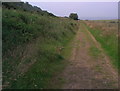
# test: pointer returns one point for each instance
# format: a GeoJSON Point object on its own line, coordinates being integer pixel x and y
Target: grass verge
{"type": "Point", "coordinates": [109, 43]}
{"type": "Point", "coordinates": [30, 48]}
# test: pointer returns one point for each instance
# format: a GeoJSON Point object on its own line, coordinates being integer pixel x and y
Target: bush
{"type": "Point", "coordinates": [73, 16]}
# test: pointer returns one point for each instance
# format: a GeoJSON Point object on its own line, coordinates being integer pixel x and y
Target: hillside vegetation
{"type": "Point", "coordinates": [31, 47]}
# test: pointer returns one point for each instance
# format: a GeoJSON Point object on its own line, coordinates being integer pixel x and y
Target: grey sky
{"type": "Point", "coordinates": [85, 10]}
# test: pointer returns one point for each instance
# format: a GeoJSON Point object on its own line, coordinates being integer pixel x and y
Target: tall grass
{"type": "Point", "coordinates": [30, 42]}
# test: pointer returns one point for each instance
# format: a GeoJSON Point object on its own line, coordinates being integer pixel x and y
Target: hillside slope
{"type": "Point", "coordinates": [34, 47]}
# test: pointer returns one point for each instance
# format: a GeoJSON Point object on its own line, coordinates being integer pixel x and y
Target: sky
{"type": "Point", "coordinates": [85, 10]}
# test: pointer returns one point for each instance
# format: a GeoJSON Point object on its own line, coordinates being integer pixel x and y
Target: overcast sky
{"type": "Point", "coordinates": [85, 10]}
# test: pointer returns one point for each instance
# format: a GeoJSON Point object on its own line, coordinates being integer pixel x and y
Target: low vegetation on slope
{"type": "Point", "coordinates": [34, 47]}
{"type": "Point", "coordinates": [106, 32]}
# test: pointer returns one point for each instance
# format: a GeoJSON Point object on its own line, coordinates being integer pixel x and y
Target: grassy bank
{"type": "Point", "coordinates": [107, 38]}
{"type": "Point", "coordinates": [30, 48]}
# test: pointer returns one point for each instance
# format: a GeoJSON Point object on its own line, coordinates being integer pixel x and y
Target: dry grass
{"type": "Point", "coordinates": [106, 32]}
{"type": "Point", "coordinates": [104, 25]}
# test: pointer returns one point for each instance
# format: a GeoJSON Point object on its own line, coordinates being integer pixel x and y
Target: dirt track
{"type": "Point", "coordinates": [86, 71]}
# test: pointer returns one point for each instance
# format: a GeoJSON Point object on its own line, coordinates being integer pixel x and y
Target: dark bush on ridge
{"type": "Point", "coordinates": [73, 16]}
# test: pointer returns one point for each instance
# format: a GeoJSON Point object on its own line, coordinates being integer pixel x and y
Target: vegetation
{"type": "Point", "coordinates": [73, 16]}
{"type": "Point", "coordinates": [106, 33]}
{"type": "Point", "coordinates": [36, 45]}
{"type": "Point", "coordinates": [26, 7]}
{"type": "Point", "coordinates": [94, 52]}
{"type": "Point", "coordinates": [31, 43]}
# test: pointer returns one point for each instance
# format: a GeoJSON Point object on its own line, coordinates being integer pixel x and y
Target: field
{"type": "Point", "coordinates": [106, 32]}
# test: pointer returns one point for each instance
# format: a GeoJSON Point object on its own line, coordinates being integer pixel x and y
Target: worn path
{"type": "Point", "coordinates": [89, 67]}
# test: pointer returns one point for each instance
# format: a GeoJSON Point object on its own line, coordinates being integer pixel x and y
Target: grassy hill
{"type": "Point", "coordinates": [34, 47]}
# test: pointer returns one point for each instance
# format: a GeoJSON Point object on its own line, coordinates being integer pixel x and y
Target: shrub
{"type": "Point", "coordinates": [73, 16]}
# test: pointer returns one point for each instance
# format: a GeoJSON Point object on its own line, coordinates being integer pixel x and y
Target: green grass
{"type": "Point", "coordinates": [94, 52]}
{"type": "Point", "coordinates": [30, 41]}
{"type": "Point", "coordinates": [109, 43]}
